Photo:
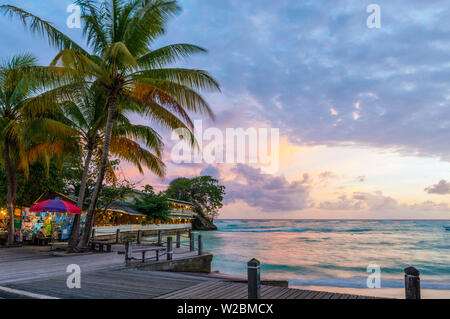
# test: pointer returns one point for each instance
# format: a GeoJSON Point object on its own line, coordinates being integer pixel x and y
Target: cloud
{"type": "Point", "coordinates": [268, 192]}
{"type": "Point", "coordinates": [326, 63]}
{"type": "Point", "coordinates": [361, 179]}
{"type": "Point", "coordinates": [344, 203]}
{"type": "Point", "coordinates": [336, 83]}
{"type": "Point", "coordinates": [211, 171]}
{"type": "Point", "coordinates": [376, 202]}
{"type": "Point", "coordinates": [327, 175]}
{"type": "Point", "coordinates": [441, 188]}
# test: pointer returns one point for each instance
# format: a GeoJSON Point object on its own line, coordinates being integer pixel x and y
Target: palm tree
{"type": "Point", "coordinates": [87, 116]}
{"type": "Point", "coordinates": [26, 133]}
{"type": "Point", "coordinates": [120, 34]}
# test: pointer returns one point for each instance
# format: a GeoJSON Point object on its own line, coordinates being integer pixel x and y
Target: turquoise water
{"type": "Point", "coordinates": [333, 253]}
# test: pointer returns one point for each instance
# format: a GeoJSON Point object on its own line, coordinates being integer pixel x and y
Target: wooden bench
{"type": "Point", "coordinates": [101, 245]}
{"type": "Point", "coordinates": [144, 250]}
{"type": "Point", "coordinates": [43, 241]}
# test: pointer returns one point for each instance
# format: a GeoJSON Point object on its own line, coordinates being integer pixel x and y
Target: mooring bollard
{"type": "Point", "coordinates": [412, 283]}
{"type": "Point", "coordinates": [169, 248]}
{"type": "Point", "coordinates": [200, 245]}
{"type": "Point", "coordinates": [254, 279]}
{"type": "Point", "coordinates": [178, 239]}
{"type": "Point", "coordinates": [159, 238]}
{"type": "Point", "coordinates": [128, 250]}
{"type": "Point", "coordinates": [118, 236]}
{"type": "Point", "coordinates": [139, 237]}
{"type": "Point", "coordinates": [191, 242]}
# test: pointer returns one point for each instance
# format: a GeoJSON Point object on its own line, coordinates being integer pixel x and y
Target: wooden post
{"type": "Point", "coordinates": [191, 242]}
{"type": "Point", "coordinates": [159, 238]}
{"type": "Point", "coordinates": [412, 283]}
{"type": "Point", "coordinates": [254, 279]}
{"type": "Point", "coordinates": [118, 236]}
{"type": "Point", "coordinates": [178, 239]}
{"type": "Point", "coordinates": [128, 250]}
{"type": "Point", "coordinates": [93, 233]}
{"type": "Point", "coordinates": [200, 245]}
{"type": "Point", "coordinates": [169, 248]}
{"type": "Point", "coordinates": [139, 237]}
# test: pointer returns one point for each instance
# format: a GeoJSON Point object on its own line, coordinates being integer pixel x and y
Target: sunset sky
{"type": "Point", "coordinates": [363, 113]}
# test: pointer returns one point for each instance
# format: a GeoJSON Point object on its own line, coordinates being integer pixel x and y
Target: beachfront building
{"type": "Point", "coordinates": [120, 215]}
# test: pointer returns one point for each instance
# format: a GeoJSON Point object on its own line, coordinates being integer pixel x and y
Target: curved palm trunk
{"type": "Point", "coordinates": [11, 185]}
{"type": "Point", "coordinates": [101, 175]}
{"type": "Point", "coordinates": [75, 233]}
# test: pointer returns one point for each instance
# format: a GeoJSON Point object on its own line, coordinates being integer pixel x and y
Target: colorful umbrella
{"type": "Point", "coordinates": [55, 206]}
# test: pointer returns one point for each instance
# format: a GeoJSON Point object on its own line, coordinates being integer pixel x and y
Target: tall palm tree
{"type": "Point", "coordinates": [119, 34]}
{"type": "Point", "coordinates": [87, 116]}
{"type": "Point", "coordinates": [26, 133]}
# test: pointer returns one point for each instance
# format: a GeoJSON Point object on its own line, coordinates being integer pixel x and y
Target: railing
{"type": "Point", "coordinates": [182, 240]}
{"type": "Point", "coordinates": [111, 230]}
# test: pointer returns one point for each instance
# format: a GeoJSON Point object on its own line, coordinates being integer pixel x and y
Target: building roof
{"type": "Point", "coordinates": [54, 195]}
{"type": "Point", "coordinates": [125, 207]}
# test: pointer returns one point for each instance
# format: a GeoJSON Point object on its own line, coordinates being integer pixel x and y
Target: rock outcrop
{"type": "Point", "coordinates": [201, 223]}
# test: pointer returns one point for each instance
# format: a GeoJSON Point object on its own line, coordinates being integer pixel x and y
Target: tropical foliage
{"type": "Point", "coordinates": [28, 133]}
{"type": "Point", "coordinates": [204, 192]}
{"type": "Point", "coordinates": [154, 206]}
{"type": "Point", "coordinates": [120, 74]}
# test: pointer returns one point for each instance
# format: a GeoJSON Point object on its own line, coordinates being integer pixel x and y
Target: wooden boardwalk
{"type": "Point", "coordinates": [104, 276]}
{"type": "Point", "coordinates": [232, 290]}
{"type": "Point", "coordinates": [30, 263]}
{"type": "Point", "coordinates": [110, 284]}
{"type": "Point", "coordinates": [141, 284]}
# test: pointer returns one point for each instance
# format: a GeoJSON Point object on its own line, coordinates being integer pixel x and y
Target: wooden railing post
{"type": "Point", "coordinates": [412, 283]}
{"type": "Point", "coordinates": [139, 237]}
{"type": "Point", "coordinates": [200, 245]}
{"type": "Point", "coordinates": [169, 248]}
{"type": "Point", "coordinates": [178, 239]}
{"type": "Point", "coordinates": [118, 236]}
{"type": "Point", "coordinates": [254, 279]}
{"type": "Point", "coordinates": [159, 238]}
{"type": "Point", "coordinates": [191, 242]}
{"type": "Point", "coordinates": [128, 250]}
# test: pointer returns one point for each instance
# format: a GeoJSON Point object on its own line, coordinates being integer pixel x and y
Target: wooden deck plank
{"type": "Point", "coordinates": [321, 295]}
{"type": "Point", "coordinates": [268, 291]}
{"type": "Point", "coordinates": [276, 293]}
{"type": "Point", "coordinates": [299, 294]}
{"type": "Point", "coordinates": [311, 295]}
{"type": "Point", "coordinates": [207, 290]}
{"type": "Point", "coordinates": [183, 292]}
{"type": "Point", "coordinates": [226, 292]}
{"type": "Point", "coordinates": [209, 293]}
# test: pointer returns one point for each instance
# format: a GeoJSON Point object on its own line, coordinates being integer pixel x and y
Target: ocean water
{"type": "Point", "coordinates": [333, 253]}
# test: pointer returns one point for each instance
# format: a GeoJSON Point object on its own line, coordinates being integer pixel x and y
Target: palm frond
{"type": "Point", "coordinates": [168, 54]}
{"type": "Point", "coordinates": [148, 22]}
{"type": "Point", "coordinates": [149, 95]}
{"type": "Point", "coordinates": [141, 133]}
{"type": "Point", "coordinates": [132, 152]}
{"type": "Point", "coordinates": [41, 27]}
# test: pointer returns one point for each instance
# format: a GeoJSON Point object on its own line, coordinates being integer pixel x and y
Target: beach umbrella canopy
{"type": "Point", "coordinates": [55, 206]}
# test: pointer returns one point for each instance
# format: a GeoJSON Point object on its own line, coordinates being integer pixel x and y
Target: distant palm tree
{"type": "Point", "coordinates": [87, 116]}
{"type": "Point", "coordinates": [120, 34]}
{"type": "Point", "coordinates": [26, 132]}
